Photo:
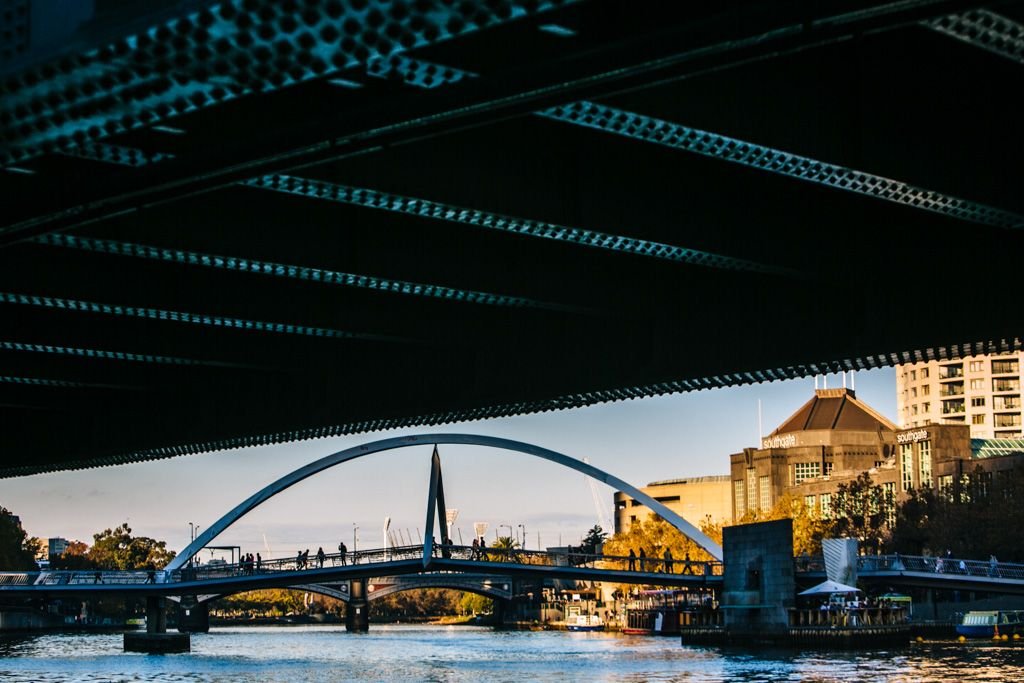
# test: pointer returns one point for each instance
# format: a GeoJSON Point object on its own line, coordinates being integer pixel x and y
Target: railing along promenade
{"type": "Point", "coordinates": [953, 567]}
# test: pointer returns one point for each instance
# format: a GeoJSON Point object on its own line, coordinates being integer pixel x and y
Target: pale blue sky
{"type": "Point", "coordinates": [639, 441]}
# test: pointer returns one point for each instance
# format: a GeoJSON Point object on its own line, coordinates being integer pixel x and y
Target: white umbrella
{"type": "Point", "coordinates": [829, 587]}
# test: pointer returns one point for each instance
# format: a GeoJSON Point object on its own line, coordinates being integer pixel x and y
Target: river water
{"type": "Point", "coordinates": [466, 653]}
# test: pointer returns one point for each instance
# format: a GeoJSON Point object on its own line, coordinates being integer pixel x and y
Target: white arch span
{"type": "Point", "coordinates": [317, 466]}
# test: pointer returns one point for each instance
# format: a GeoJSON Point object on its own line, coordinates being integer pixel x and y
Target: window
{"type": "Point", "coordinates": [913, 392]}
{"type": "Point", "coordinates": [977, 366]}
{"type": "Point", "coordinates": [1006, 403]}
{"type": "Point", "coordinates": [924, 456]}
{"type": "Point", "coordinates": [741, 499]}
{"type": "Point", "coordinates": [924, 373]}
{"type": "Point", "coordinates": [1006, 384]}
{"type": "Point", "coordinates": [913, 409]}
{"type": "Point", "coordinates": [926, 407]}
{"type": "Point", "coordinates": [978, 402]}
{"type": "Point", "coordinates": [810, 502]}
{"type": "Point", "coordinates": [826, 505]}
{"type": "Point", "coordinates": [977, 383]}
{"type": "Point", "coordinates": [953, 407]}
{"type": "Point", "coordinates": [978, 419]}
{"type": "Point", "coordinates": [751, 489]}
{"type": "Point", "coordinates": [764, 488]}
{"type": "Point", "coordinates": [889, 490]}
{"type": "Point", "coordinates": [946, 484]}
{"type": "Point", "coordinates": [913, 375]}
{"type": "Point", "coordinates": [805, 470]}
{"type": "Point", "coordinates": [926, 390]}
{"type": "Point", "coordinates": [828, 469]}
{"type": "Point", "coordinates": [1005, 367]}
{"type": "Point", "coordinates": [907, 465]}
{"type": "Point", "coordinates": [879, 463]}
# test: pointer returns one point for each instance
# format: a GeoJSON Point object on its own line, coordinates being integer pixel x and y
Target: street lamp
{"type": "Point", "coordinates": [522, 529]}
{"type": "Point", "coordinates": [355, 537]}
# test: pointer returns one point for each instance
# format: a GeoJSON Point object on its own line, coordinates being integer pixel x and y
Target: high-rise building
{"type": "Point", "coordinates": [56, 547]}
{"type": "Point", "coordinates": [982, 392]}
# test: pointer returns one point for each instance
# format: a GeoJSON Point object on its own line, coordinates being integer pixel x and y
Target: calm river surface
{"type": "Point", "coordinates": [437, 653]}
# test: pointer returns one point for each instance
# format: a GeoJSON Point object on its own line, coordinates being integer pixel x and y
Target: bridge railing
{"type": "Point", "coordinates": [941, 565]}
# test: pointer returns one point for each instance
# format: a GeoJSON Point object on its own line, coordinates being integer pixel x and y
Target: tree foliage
{"type": "Point", "coordinates": [861, 509]}
{"type": "Point", "coordinates": [17, 549]}
{"type": "Point", "coordinates": [75, 556]}
{"type": "Point", "coordinates": [594, 538]}
{"type": "Point", "coordinates": [978, 516]}
{"type": "Point", "coordinates": [118, 549]}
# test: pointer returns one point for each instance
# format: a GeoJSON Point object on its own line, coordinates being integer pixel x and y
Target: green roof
{"type": "Point", "coordinates": [994, 448]}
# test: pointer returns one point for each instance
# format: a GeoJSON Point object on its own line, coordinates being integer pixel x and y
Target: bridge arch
{"type": "Point", "coordinates": [392, 443]}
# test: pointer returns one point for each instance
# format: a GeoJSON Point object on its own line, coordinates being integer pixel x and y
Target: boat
{"type": "Point", "coordinates": [986, 624]}
{"type": "Point", "coordinates": [584, 622]}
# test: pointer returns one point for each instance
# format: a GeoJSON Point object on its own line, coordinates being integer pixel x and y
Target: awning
{"type": "Point", "coordinates": [829, 587]}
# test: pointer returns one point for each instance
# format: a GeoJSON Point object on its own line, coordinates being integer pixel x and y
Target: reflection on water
{"type": "Point", "coordinates": [418, 653]}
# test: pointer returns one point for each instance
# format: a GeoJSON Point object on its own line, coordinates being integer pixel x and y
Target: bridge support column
{"type": "Point", "coordinates": [156, 639]}
{"type": "Point", "coordinates": [357, 612]}
{"type": "Point", "coordinates": [193, 616]}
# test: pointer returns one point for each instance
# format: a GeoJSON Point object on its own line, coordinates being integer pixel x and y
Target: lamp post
{"type": "Point", "coordinates": [355, 537]}
{"type": "Point", "coordinates": [522, 530]}
{"type": "Point", "coordinates": [192, 537]}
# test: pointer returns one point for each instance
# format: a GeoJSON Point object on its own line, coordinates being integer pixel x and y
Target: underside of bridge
{"type": "Point", "coordinates": [255, 221]}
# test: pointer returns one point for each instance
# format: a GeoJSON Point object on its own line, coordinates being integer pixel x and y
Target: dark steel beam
{"type": "Point", "coordinates": [985, 30]}
{"type": "Point", "coordinates": [295, 272]}
{"type": "Point", "coordinates": [426, 208]}
{"type": "Point", "coordinates": [651, 130]}
{"type": "Point", "coordinates": [190, 318]}
{"type": "Point", "coordinates": [717, 43]}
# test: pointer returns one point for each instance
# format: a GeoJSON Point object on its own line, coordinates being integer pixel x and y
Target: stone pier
{"type": "Point", "coordinates": [357, 612]}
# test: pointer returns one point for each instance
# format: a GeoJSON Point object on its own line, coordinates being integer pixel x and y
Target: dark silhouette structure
{"type": "Point", "coordinates": [250, 222]}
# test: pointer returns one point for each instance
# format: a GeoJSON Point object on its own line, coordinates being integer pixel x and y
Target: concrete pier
{"type": "Point", "coordinates": [156, 639]}
{"type": "Point", "coordinates": [357, 612]}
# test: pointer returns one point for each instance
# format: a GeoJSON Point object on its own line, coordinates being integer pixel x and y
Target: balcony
{"type": "Point", "coordinates": [1006, 403]}
{"type": "Point", "coordinates": [1006, 385]}
{"type": "Point", "coordinates": [955, 389]}
{"type": "Point", "coordinates": [1005, 367]}
{"type": "Point", "coordinates": [951, 371]}
{"type": "Point", "coordinates": [953, 407]}
{"type": "Point", "coordinates": [1007, 421]}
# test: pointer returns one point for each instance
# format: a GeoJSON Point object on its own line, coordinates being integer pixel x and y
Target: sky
{"type": "Point", "coordinates": [639, 441]}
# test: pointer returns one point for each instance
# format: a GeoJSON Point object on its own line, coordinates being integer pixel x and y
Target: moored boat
{"type": "Point", "coordinates": [986, 624]}
{"type": "Point", "coordinates": [585, 622]}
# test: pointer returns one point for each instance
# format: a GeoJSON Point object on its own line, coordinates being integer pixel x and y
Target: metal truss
{"type": "Point", "coordinates": [984, 29]}
{"type": "Point", "coordinates": [425, 208]}
{"type": "Point", "coordinates": [677, 136]}
{"type": "Point", "coordinates": [291, 271]}
{"type": "Point", "coordinates": [114, 154]}
{"type": "Point", "coordinates": [204, 319]}
{"type": "Point", "coordinates": [218, 54]}
{"type": "Point", "coordinates": [113, 355]}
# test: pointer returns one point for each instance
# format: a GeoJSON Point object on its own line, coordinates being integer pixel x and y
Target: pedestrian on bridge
{"type": "Point", "coordinates": [687, 569]}
{"type": "Point", "coordinates": [992, 570]}
{"type": "Point", "coordinates": [320, 557]}
{"type": "Point", "coordinates": [259, 562]}
{"type": "Point", "coordinates": [643, 560]}
{"type": "Point", "coordinates": [298, 560]}
{"type": "Point", "coordinates": [632, 560]}
{"type": "Point", "coordinates": [474, 553]}
{"type": "Point", "coordinates": [341, 553]}
{"type": "Point", "coordinates": [668, 561]}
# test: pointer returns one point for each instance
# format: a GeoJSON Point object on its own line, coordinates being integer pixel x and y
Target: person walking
{"type": "Point", "coordinates": [298, 560]}
{"type": "Point", "coordinates": [632, 560]}
{"type": "Point", "coordinates": [687, 569]}
{"type": "Point", "coordinates": [474, 553]}
{"type": "Point", "coordinates": [643, 560]}
{"type": "Point", "coordinates": [259, 562]}
{"type": "Point", "coordinates": [992, 566]}
{"type": "Point", "coordinates": [320, 557]}
{"type": "Point", "coordinates": [667, 555]}
{"type": "Point", "coordinates": [342, 550]}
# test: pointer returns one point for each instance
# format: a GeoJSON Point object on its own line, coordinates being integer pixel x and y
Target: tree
{"type": "Point", "coordinates": [17, 550]}
{"type": "Point", "coordinates": [861, 509]}
{"type": "Point", "coordinates": [594, 538]}
{"type": "Point", "coordinates": [809, 527]}
{"type": "Point", "coordinates": [75, 556]}
{"type": "Point", "coordinates": [117, 549]}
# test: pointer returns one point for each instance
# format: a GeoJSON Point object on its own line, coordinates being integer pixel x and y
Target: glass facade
{"type": "Point", "coordinates": [924, 454]}
{"type": "Point", "coordinates": [907, 466]}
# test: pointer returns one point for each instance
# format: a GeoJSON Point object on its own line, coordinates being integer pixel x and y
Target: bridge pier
{"type": "Point", "coordinates": [193, 616]}
{"type": "Point", "coordinates": [156, 639]}
{"type": "Point", "coordinates": [357, 613]}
